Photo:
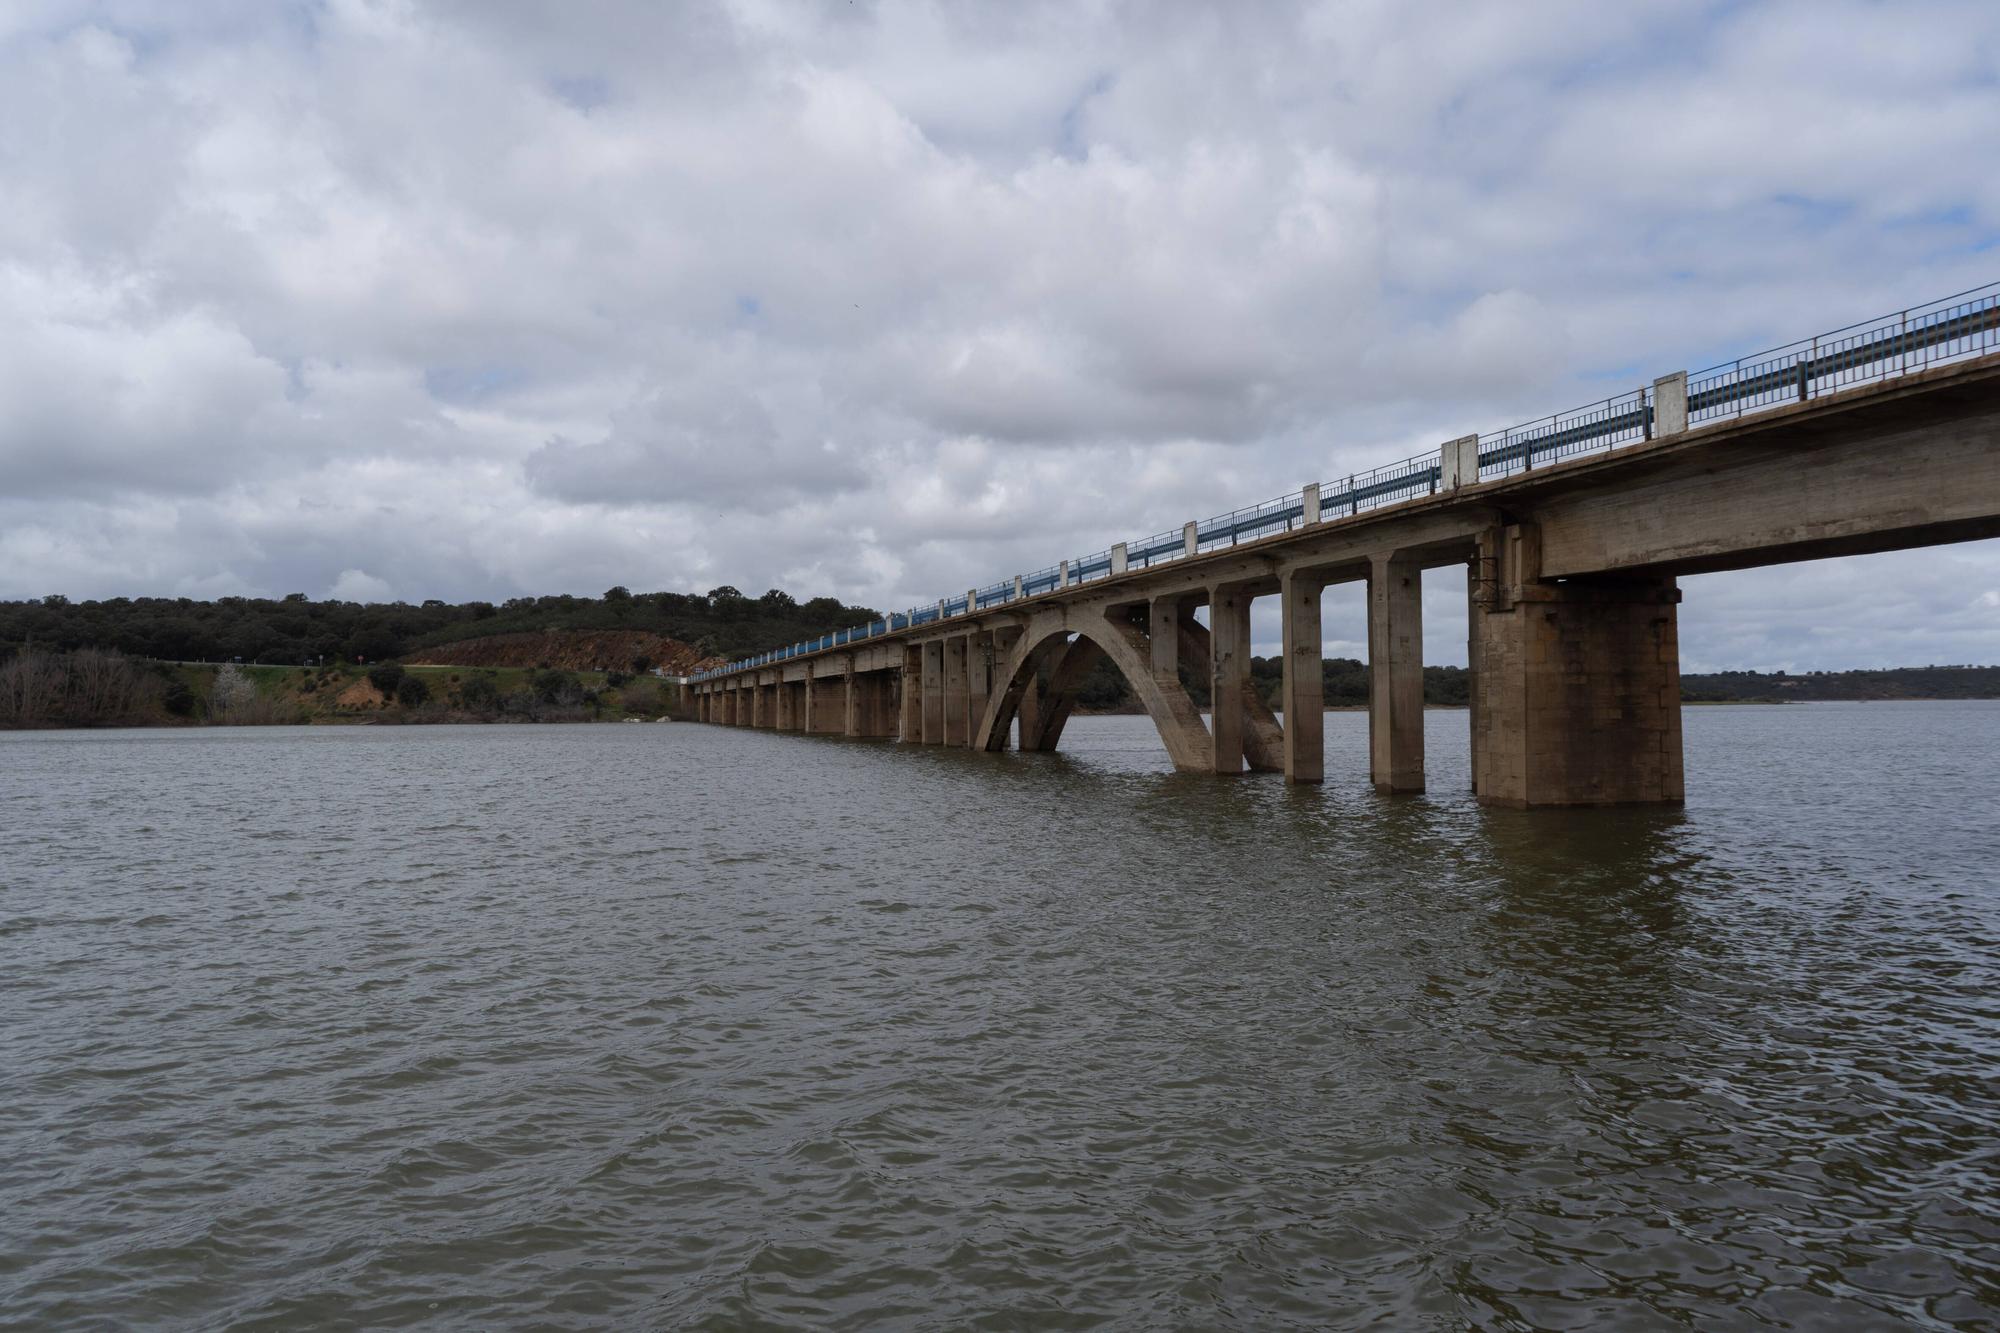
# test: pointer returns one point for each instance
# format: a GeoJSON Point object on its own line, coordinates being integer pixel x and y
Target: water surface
{"type": "Point", "coordinates": [676, 1026]}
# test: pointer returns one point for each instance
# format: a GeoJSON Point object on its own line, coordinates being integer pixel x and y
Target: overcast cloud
{"type": "Point", "coordinates": [475, 298]}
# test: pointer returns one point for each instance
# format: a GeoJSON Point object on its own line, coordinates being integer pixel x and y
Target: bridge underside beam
{"type": "Point", "coordinates": [1819, 480]}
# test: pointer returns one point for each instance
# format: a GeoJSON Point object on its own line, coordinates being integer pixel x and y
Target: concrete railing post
{"type": "Point", "coordinates": [1459, 463]}
{"type": "Point", "coordinates": [1019, 591]}
{"type": "Point", "coordinates": [1191, 537]}
{"type": "Point", "coordinates": [971, 600]}
{"type": "Point", "coordinates": [1062, 574]}
{"type": "Point", "coordinates": [1309, 500]}
{"type": "Point", "coordinates": [1670, 403]}
{"type": "Point", "coordinates": [940, 608]}
{"type": "Point", "coordinates": [1118, 559]}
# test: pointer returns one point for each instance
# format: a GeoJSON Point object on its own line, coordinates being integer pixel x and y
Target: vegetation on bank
{"type": "Point", "coordinates": [1345, 682]}
{"type": "Point", "coordinates": [92, 687]}
{"type": "Point", "coordinates": [295, 629]}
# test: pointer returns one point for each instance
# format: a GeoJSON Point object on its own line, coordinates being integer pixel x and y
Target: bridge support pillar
{"type": "Point", "coordinates": [1576, 685]}
{"type": "Point", "coordinates": [1229, 657]}
{"type": "Point", "coordinates": [1304, 689]}
{"type": "Point", "coordinates": [850, 699]}
{"type": "Point", "coordinates": [978, 680]}
{"type": "Point", "coordinates": [788, 707]}
{"type": "Point", "coordinates": [910, 710]}
{"type": "Point", "coordinates": [1396, 674]}
{"type": "Point", "coordinates": [826, 705]}
{"type": "Point", "coordinates": [933, 693]}
{"type": "Point", "coordinates": [878, 704]}
{"type": "Point", "coordinates": [957, 731]}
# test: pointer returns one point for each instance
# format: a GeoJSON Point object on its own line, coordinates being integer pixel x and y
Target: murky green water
{"type": "Point", "coordinates": [673, 1026]}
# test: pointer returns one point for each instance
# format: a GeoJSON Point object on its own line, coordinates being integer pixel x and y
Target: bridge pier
{"type": "Point", "coordinates": [826, 704]}
{"type": "Point", "coordinates": [978, 681]}
{"type": "Point", "coordinates": [1396, 674]}
{"type": "Point", "coordinates": [1304, 684]}
{"type": "Point", "coordinates": [932, 732]}
{"type": "Point", "coordinates": [877, 708]}
{"type": "Point", "coordinates": [910, 720]}
{"type": "Point", "coordinates": [1229, 662]}
{"type": "Point", "coordinates": [957, 731]}
{"type": "Point", "coordinates": [1576, 685]}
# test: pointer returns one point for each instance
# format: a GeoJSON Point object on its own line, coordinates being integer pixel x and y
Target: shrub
{"type": "Point", "coordinates": [615, 678]}
{"type": "Point", "coordinates": [556, 687]}
{"type": "Point", "coordinates": [479, 693]}
{"type": "Point", "coordinates": [385, 678]}
{"type": "Point", "coordinates": [411, 691]}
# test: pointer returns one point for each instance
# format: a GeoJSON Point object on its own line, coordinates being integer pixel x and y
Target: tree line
{"type": "Point", "coordinates": [295, 629]}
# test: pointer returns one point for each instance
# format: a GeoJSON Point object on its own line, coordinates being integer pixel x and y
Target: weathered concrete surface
{"type": "Point", "coordinates": [1396, 676]}
{"type": "Point", "coordinates": [1304, 689]}
{"type": "Point", "coordinates": [933, 689]}
{"type": "Point", "coordinates": [1576, 686]}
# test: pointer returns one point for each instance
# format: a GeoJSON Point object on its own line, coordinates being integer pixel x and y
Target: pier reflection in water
{"type": "Point", "coordinates": [671, 1025]}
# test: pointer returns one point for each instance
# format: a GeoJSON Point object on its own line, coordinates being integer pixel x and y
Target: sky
{"type": "Point", "coordinates": [398, 299]}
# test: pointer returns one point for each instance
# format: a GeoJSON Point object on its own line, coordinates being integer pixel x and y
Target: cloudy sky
{"type": "Point", "coordinates": [476, 298]}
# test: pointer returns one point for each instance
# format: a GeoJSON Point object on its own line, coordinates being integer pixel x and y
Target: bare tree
{"type": "Point", "coordinates": [232, 700]}
{"type": "Point", "coordinates": [31, 688]}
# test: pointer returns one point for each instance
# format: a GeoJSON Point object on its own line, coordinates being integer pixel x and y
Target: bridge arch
{"type": "Point", "coordinates": [1038, 681]}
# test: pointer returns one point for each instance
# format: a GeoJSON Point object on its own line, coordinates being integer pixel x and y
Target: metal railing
{"type": "Point", "coordinates": [1955, 328]}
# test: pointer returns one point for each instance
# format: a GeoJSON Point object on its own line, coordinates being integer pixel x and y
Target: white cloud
{"type": "Point", "coordinates": [477, 297]}
{"type": "Point", "coordinates": [355, 585]}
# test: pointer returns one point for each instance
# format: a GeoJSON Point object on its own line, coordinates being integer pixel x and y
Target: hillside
{"type": "Point", "coordinates": [570, 650]}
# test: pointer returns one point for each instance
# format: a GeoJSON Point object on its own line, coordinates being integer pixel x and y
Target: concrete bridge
{"type": "Point", "coordinates": [1571, 532]}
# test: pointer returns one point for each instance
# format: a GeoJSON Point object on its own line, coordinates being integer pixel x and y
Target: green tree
{"type": "Point", "coordinates": [386, 678]}
{"type": "Point", "coordinates": [411, 691]}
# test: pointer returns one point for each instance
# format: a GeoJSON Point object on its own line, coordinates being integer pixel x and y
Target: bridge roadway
{"type": "Point", "coordinates": [1570, 573]}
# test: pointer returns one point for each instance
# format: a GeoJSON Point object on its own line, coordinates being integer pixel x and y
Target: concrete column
{"type": "Point", "coordinates": [1019, 590]}
{"type": "Point", "coordinates": [787, 712]}
{"type": "Point", "coordinates": [956, 696]}
{"type": "Point", "coordinates": [910, 709]}
{"type": "Point", "coordinates": [826, 705]}
{"type": "Point", "coordinates": [1229, 654]}
{"type": "Point", "coordinates": [1670, 404]}
{"type": "Point", "coordinates": [878, 704]}
{"type": "Point", "coordinates": [1576, 688]}
{"type": "Point", "coordinates": [933, 715]}
{"type": "Point", "coordinates": [757, 709]}
{"type": "Point", "coordinates": [1309, 503]}
{"type": "Point", "coordinates": [1305, 694]}
{"type": "Point", "coordinates": [1190, 538]}
{"type": "Point", "coordinates": [978, 680]}
{"type": "Point", "coordinates": [1062, 573]}
{"type": "Point", "coordinates": [1163, 634]}
{"type": "Point", "coordinates": [1395, 674]}
{"type": "Point", "coordinates": [1119, 560]}
{"type": "Point", "coordinates": [1028, 713]}
{"type": "Point", "coordinates": [809, 713]}
{"type": "Point", "coordinates": [851, 723]}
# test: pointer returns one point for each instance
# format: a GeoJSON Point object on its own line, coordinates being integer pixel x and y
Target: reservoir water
{"type": "Point", "coordinates": [674, 1026]}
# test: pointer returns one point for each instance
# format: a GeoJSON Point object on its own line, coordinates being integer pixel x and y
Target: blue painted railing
{"type": "Point", "coordinates": [1953, 329]}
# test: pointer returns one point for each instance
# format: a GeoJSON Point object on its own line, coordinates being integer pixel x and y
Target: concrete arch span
{"type": "Point", "coordinates": [1038, 680]}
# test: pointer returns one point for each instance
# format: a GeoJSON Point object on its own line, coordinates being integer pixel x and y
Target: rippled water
{"type": "Point", "coordinates": [675, 1026]}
